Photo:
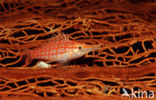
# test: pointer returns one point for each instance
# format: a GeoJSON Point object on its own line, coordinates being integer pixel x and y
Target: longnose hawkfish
{"type": "Point", "coordinates": [60, 49]}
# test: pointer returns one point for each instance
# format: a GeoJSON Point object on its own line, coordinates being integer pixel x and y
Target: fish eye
{"type": "Point", "coordinates": [80, 47]}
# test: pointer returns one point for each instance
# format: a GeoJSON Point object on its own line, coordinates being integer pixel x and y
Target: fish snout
{"type": "Point", "coordinates": [94, 47]}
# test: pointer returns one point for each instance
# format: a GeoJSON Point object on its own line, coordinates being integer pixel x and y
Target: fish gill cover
{"type": "Point", "coordinates": [126, 28]}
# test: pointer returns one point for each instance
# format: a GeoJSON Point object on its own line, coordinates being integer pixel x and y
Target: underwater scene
{"type": "Point", "coordinates": [77, 49]}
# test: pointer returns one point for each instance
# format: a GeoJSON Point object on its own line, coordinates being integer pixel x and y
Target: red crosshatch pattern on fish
{"type": "Point", "coordinates": [61, 49]}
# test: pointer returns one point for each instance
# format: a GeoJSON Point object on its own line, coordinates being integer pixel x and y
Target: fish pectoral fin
{"type": "Point", "coordinates": [43, 64]}
{"type": "Point", "coordinates": [63, 62]}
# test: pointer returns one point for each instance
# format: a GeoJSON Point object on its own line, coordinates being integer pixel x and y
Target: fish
{"type": "Point", "coordinates": [61, 49]}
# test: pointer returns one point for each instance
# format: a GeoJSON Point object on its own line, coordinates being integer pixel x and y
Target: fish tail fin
{"type": "Point", "coordinates": [26, 55]}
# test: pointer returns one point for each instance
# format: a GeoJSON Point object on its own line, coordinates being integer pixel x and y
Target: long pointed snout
{"type": "Point", "coordinates": [89, 48]}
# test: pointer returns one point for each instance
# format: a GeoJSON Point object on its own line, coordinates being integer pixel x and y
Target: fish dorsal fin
{"type": "Point", "coordinates": [54, 39]}
{"type": "Point", "coordinates": [60, 36]}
